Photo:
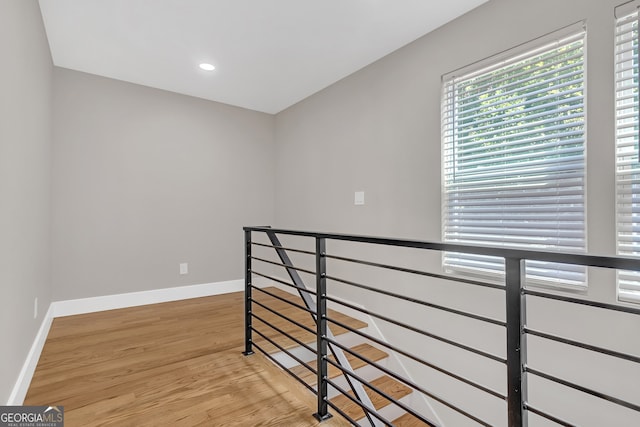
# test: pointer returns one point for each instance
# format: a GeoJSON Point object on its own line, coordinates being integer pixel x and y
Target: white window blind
{"type": "Point", "coordinates": [627, 162]}
{"type": "Point", "coordinates": [514, 160]}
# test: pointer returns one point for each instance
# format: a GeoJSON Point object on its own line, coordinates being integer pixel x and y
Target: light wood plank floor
{"type": "Point", "coordinates": [177, 364]}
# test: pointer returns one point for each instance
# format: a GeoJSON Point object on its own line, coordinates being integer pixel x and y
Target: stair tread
{"type": "Point", "coordinates": [366, 350]}
{"type": "Point", "coordinates": [408, 420]}
{"type": "Point", "coordinates": [393, 388]}
{"type": "Point", "coordinates": [293, 313]}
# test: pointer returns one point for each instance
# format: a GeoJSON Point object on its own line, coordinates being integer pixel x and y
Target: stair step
{"type": "Point", "coordinates": [393, 388]}
{"type": "Point", "coordinates": [408, 420]}
{"type": "Point", "coordinates": [293, 313]}
{"type": "Point", "coordinates": [365, 350]}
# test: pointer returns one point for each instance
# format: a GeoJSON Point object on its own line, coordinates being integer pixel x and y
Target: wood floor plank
{"type": "Point", "coordinates": [173, 364]}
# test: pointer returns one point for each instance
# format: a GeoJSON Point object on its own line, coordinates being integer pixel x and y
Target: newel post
{"type": "Point", "coordinates": [321, 324]}
{"type": "Point", "coordinates": [516, 342]}
{"type": "Point", "coordinates": [248, 348]}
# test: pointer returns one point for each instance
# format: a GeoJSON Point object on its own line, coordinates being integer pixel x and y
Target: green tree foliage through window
{"type": "Point", "coordinates": [499, 109]}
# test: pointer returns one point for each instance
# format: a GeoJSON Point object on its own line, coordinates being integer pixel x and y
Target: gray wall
{"type": "Point", "coordinates": [25, 195]}
{"type": "Point", "coordinates": [145, 179]}
{"type": "Point", "coordinates": [378, 131]}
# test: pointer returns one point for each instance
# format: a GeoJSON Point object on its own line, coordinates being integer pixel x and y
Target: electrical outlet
{"type": "Point", "coordinates": [35, 308]}
{"type": "Point", "coordinates": [184, 268]}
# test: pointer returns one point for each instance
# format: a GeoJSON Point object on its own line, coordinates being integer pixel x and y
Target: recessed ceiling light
{"type": "Point", "coordinates": [207, 67]}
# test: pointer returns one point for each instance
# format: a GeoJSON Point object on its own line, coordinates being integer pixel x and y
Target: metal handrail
{"type": "Point", "coordinates": [621, 263]}
{"type": "Point", "coordinates": [515, 324]}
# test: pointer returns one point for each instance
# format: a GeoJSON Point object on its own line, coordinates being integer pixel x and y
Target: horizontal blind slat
{"type": "Point", "coordinates": [568, 87]}
{"type": "Point", "coordinates": [627, 163]}
{"type": "Point", "coordinates": [498, 78]}
{"type": "Point", "coordinates": [513, 160]}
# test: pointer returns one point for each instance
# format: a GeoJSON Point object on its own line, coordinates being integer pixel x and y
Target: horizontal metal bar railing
{"type": "Point", "coordinates": [460, 411]}
{"type": "Point", "coordinates": [386, 371]}
{"type": "Point", "coordinates": [585, 346]}
{"type": "Point", "coordinates": [419, 331]}
{"type": "Point", "coordinates": [547, 416]}
{"type": "Point", "coordinates": [596, 304]}
{"type": "Point", "coordinates": [279, 264]}
{"type": "Point", "coordinates": [298, 324]}
{"type": "Point", "coordinates": [415, 385]}
{"type": "Point", "coordinates": [379, 391]}
{"type": "Point", "coordinates": [322, 329]}
{"type": "Point", "coordinates": [342, 413]}
{"type": "Point", "coordinates": [284, 368]}
{"type": "Point", "coordinates": [370, 410]}
{"type": "Point", "coordinates": [282, 282]}
{"type": "Point", "coordinates": [517, 330]}
{"type": "Point", "coordinates": [300, 251]}
{"type": "Point", "coordinates": [281, 332]}
{"type": "Point", "coordinates": [278, 297]}
{"type": "Point", "coordinates": [389, 372]}
{"type": "Point", "coordinates": [284, 350]}
{"type": "Point", "coordinates": [418, 272]}
{"type": "Point", "coordinates": [417, 359]}
{"type": "Point", "coordinates": [586, 390]}
{"type": "Point", "coordinates": [417, 301]}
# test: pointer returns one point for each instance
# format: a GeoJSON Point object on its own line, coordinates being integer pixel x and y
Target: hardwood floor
{"type": "Point", "coordinates": [176, 363]}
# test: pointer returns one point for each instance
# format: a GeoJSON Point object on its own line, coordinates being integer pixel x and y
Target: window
{"type": "Point", "coordinates": [627, 161]}
{"type": "Point", "coordinates": [514, 158]}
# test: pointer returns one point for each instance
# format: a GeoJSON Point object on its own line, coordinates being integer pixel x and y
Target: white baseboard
{"type": "Point", "coordinates": [26, 373]}
{"type": "Point", "coordinates": [102, 303]}
{"type": "Point", "coordinates": [133, 299]}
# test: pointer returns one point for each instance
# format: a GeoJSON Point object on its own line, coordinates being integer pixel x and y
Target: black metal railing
{"type": "Point", "coordinates": [316, 301]}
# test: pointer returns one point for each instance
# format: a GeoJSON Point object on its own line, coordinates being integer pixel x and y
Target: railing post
{"type": "Point", "coordinates": [321, 334]}
{"type": "Point", "coordinates": [516, 344]}
{"type": "Point", "coordinates": [248, 348]}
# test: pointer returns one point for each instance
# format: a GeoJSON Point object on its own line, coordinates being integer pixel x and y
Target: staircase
{"type": "Point", "coordinates": [388, 385]}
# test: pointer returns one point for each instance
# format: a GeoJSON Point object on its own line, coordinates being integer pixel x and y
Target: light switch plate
{"type": "Point", "coordinates": [358, 198]}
